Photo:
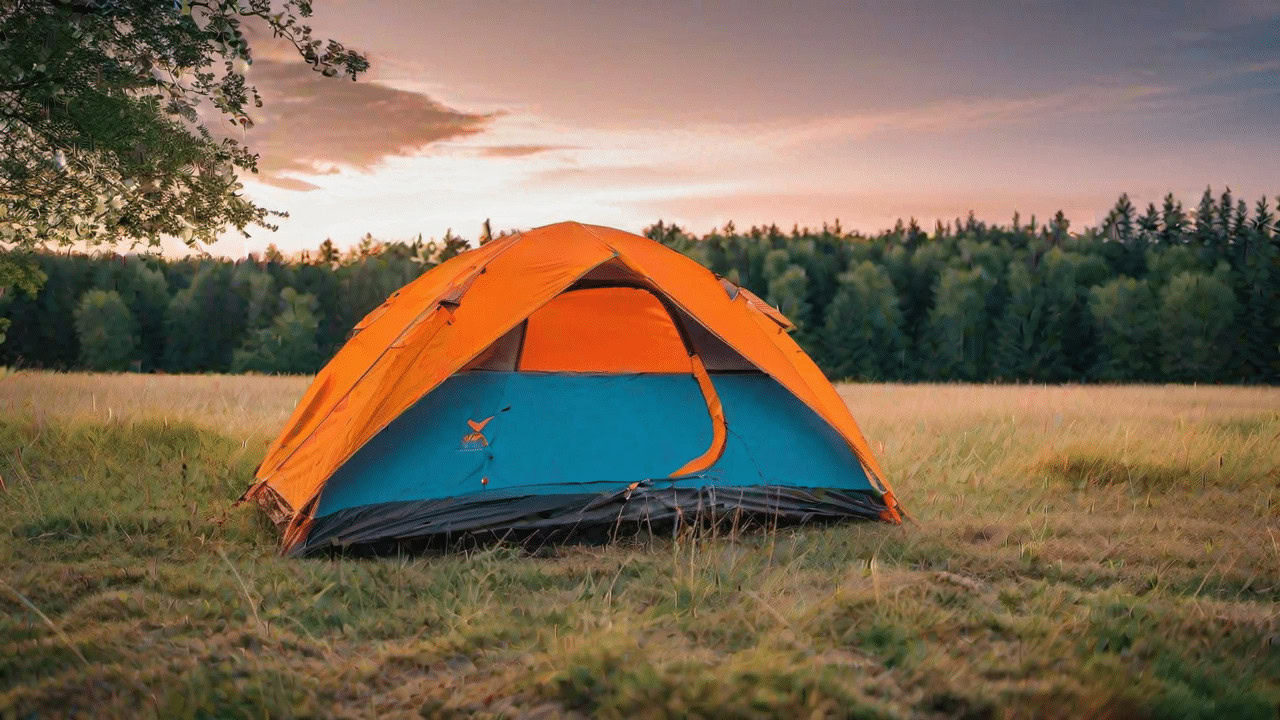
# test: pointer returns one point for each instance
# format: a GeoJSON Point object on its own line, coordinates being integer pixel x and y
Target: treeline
{"type": "Point", "coordinates": [1163, 294]}
{"type": "Point", "coordinates": [268, 313]}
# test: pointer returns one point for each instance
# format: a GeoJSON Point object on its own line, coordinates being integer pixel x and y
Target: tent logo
{"type": "Point", "coordinates": [475, 440]}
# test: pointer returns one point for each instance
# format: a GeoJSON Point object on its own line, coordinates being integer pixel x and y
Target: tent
{"type": "Point", "coordinates": [567, 379]}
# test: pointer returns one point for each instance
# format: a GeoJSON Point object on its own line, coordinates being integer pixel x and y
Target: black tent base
{"type": "Point", "coordinates": [539, 520]}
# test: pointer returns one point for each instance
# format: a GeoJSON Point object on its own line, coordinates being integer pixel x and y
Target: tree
{"type": "Point", "coordinates": [1034, 338]}
{"type": "Point", "coordinates": [1258, 278]}
{"type": "Point", "coordinates": [21, 274]}
{"type": "Point", "coordinates": [1120, 221]}
{"type": "Point", "coordinates": [958, 328]}
{"type": "Point", "coordinates": [204, 322]}
{"type": "Point", "coordinates": [787, 292]}
{"type": "Point", "coordinates": [1124, 315]}
{"type": "Point", "coordinates": [106, 330]}
{"type": "Point", "coordinates": [1059, 229]}
{"type": "Point", "coordinates": [863, 330]}
{"type": "Point", "coordinates": [1206, 234]}
{"type": "Point", "coordinates": [1148, 227]}
{"type": "Point", "coordinates": [1173, 222]}
{"type": "Point", "coordinates": [328, 255]}
{"type": "Point", "coordinates": [144, 289]}
{"type": "Point", "coordinates": [257, 289]}
{"type": "Point", "coordinates": [102, 138]}
{"type": "Point", "coordinates": [288, 345]}
{"type": "Point", "coordinates": [450, 246]}
{"type": "Point", "coordinates": [1197, 317]}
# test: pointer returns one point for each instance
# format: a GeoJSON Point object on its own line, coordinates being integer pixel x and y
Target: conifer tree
{"type": "Point", "coordinates": [1059, 229]}
{"type": "Point", "coordinates": [787, 292]}
{"type": "Point", "coordinates": [1173, 221]}
{"type": "Point", "coordinates": [1259, 294]}
{"type": "Point", "coordinates": [863, 329]}
{"type": "Point", "coordinates": [288, 344]}
{"type": "Point", "coordinates": [106, 331]}
{"type": "Point", "coordinates": [1038, 319]}
{"type": "Point", "coordinates": [958, 328]}
{"type": "Point", "coordinates": [1206, 234]}
{"type": "Point", "coordinates": [1148, 227]}
{"type": "Point", "coordinates": [1122, 221]}
{"type": "Point", "coordinates": [1124, 314]}
{"type": "Point", "coordinates": [1197, 323]}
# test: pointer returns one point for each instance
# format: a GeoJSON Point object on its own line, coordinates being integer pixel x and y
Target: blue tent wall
{"type": "Point", "coordinates": [555, 433]}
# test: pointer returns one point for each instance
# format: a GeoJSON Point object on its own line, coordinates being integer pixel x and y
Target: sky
{"type": "Point", "coordinates": [698, 113]}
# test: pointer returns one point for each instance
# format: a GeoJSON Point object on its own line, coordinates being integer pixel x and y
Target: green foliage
{"type": "Point", "coordinates": [1197, 317]}
{"type": "Point", "coordinates": [974, 301]}
{"type": "Point", "coordinates": [863, 332]}
{"type": "Point", "coordinates": [288, 345]}
{"type": "Point", "coordinates": [1124, 315]}
{"type": "Point", "coordinates": [204, 322]}
{"type": "Point", "coordinates": [1258, 289]}
{"type": "Point", "coordinates": [959, 329]}
{"type": "Point", "coordinates": [788, 292]}
{"type": "Point", "coordinates": [105, 110]}
{"type": "Point", "coordinates": [1040, 320]}
{"type": "Point", "coordinates": [17, 273]}
{"type": "Point", "coordinates": [106, 330]}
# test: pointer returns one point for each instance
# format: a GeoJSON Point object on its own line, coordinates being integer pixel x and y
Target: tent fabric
{"type": "Point", "coordinates": [398, 526]}
{"type": "Point", "coordinates": [437, 341]}
{"type": "Point", "coordinates": [613, 329]}
{"type": "Point", "coordinates": [719, 430]}
{"type": "Point", "coordinates": [741, 324]}
{"type": "Point", "coordinates": [484, 308]}
{"type": "Point", "coordinates": [550, 435]}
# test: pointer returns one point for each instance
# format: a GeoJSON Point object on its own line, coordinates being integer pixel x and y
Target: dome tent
{"type": "Point", "coordinates": [564, 379]}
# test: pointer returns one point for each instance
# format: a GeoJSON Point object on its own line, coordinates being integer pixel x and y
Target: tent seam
{"type": "Point", "coordinates": [322, 483]}
{"type": "Point", "coordinates": [434, 305]}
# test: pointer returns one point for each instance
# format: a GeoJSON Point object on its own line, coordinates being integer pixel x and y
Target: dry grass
{"type": "Point", "coordinates": [235, 405]}
{"type": "Point", "coordinates": [1081, 551]}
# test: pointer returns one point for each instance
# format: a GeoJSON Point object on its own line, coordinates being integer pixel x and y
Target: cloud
{"type": "Point", "coordinates": [288, 182]}
{"type": "Point", "coordinates": [960, 114]}
{"type": "Point", "coordinates": [513, 151]}
{"type": "Point", "coordinates": [311, 125]}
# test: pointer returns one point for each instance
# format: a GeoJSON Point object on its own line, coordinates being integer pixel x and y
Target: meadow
{"type": "Point", "coordinates": [1076, 551]}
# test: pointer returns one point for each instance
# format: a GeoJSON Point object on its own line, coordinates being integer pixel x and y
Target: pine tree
{"type": "Point", "coordinates": [106, 330]}
{"type": "Point", "coordinates": [787, 292]}
{"type": "Point", "coordinates": [288, 344]}
{"type": "Point", "coordinates": [328, 254]}
{"type": "Point", "coordinates": [1148, 227]}
{"type": "Point", "coordinates": [1037, 320]}
{"type": "Point", "coordinates": [1206, 235]}
{"type": "Point", "coordinates": [1258, 279]}
{"type": "Point", "coordinates": [1122, 221]}
{"type": "Point", "coordinates": [1059, 229]}
{"type": "Point", "coordinates": [1224, 219]}
{"type": "Point", "coordinates": [1124, 316]}
{"type": "Point", "coordinates": [1173, 222]}
{"type": "Point", "coordinates": [863, 328]}
{"type": "Point", "coordinates": [1197, 323]}
{"type": "Point", "coordinates": [958, 329]}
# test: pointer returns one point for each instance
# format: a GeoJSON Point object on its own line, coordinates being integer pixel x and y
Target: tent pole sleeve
{"type": "Point", "coordinates": [719, 432]}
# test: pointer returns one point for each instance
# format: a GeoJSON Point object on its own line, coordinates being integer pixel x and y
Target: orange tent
{"type": "Point", "coordinates": [561, 318]}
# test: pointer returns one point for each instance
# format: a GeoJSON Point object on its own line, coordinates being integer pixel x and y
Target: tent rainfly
{"type": "Point", "coordinates": [564, 380]}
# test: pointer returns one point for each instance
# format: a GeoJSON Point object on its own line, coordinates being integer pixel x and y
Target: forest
{"type": "Point", "coordinates": [1165, 294]}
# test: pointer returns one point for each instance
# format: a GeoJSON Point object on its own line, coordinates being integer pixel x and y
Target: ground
{"type": "Point", "coordinates": [1076, 552]}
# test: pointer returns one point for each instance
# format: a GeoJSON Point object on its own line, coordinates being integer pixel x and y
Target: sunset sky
{"type": "Point", "coordinates": [788, 112]}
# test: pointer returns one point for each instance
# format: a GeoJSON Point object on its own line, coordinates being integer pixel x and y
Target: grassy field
{"type": "Point", "coordinates": [1079, 552]}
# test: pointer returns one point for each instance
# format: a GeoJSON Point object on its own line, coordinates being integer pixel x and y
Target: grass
{"type": "Point", "coordinates": [1080, 552]}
